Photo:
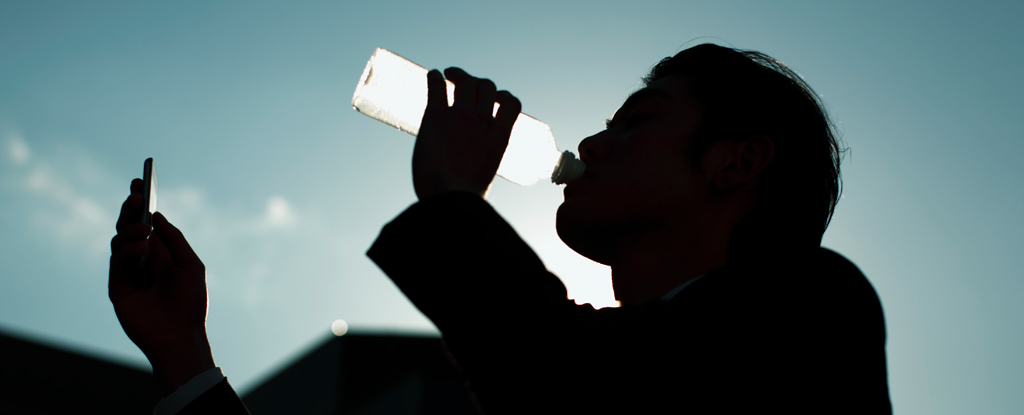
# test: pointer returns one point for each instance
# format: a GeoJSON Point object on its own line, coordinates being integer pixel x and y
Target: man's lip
{"type": "Point", "coordinates": [574, 186]}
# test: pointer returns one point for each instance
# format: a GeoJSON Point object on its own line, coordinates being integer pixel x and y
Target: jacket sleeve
{"type": "Point", "coordinates": [220, 399]}
{"type": "Point", "coordinates": [463, 266]}
{"type": "Point", "coordinates": [504, 317]}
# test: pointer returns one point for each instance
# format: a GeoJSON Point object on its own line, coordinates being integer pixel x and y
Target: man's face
{"type": "Point", "coordinates": [638, 178]}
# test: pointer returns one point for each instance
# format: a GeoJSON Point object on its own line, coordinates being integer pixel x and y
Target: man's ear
{"type": "Point", "coordinates": [731, 166]}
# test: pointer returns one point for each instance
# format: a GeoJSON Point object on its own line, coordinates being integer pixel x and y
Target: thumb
{"type": "Point", "coordinates": [179, 249]}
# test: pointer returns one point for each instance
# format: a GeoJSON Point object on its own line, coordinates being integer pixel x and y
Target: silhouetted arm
{"type": "Point", "coordinates": [504, 317]}
{"type": "Point", "coordinates": [452, 253]}
{"type": "Point", "coordinates": [157, 285]}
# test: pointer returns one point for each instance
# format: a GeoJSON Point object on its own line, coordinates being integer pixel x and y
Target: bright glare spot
{"type": "Point", "coordinates": [598, 303]}
{"type": "Point", "coordinates": [279, 212]}
{"type": "Point", "coordinates": [339, 327]}
{"type": "Point", "coordinates": [18, 150]}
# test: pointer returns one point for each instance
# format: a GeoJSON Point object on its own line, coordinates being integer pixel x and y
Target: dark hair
{"type": "Point", "coordinates": [745, 93]}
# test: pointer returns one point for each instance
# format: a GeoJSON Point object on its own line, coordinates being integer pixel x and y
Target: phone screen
{"type": "Point", "coordinates": [149, 185]}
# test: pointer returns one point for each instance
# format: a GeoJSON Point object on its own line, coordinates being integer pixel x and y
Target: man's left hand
{"type": "Point", "coordinates": [460, 147]}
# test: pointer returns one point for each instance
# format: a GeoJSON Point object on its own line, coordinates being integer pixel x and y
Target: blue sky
{"type": "Point", "coordinates": [281, 186]}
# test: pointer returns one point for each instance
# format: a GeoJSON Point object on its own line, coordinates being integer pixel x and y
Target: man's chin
{"type": "Point", "coordinates": [600, 234]}
{"type": "Point", "coordinates": [582, 235]}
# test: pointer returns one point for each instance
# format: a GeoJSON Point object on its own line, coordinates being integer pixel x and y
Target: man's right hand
{"type": "Point", "coordinates": [158, 288]}
{"type": "Point", "coordinates": [459, 148]}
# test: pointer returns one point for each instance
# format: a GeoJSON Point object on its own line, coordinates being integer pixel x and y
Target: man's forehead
{"type": "Point", "coordinates": [661, 90]}
{"type": "Point", "coordinates": [670, 88]}
{"type": "Point", "coordinates": [650, 92]}
{"type": "Point", "coordinates": [670, 92]}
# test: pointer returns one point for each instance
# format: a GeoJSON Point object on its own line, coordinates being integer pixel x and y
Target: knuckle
{"type": "Point", "coordinates": [508, 96]}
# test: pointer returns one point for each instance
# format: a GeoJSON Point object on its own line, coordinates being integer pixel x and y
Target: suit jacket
{"type": "Point", "coordinates": [801, 333]}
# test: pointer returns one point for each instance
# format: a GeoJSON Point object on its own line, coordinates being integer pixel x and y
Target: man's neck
{"type": "Point", "coordinates": [651, 266]}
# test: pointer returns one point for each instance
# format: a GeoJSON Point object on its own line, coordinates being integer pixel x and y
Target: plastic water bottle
{"type": "Point", "coordinates": [394, 90]}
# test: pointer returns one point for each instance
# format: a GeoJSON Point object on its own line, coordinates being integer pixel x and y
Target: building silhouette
{"type": "Point", "coordinates": [367, 375]}
{"type": "Point", "coordinates": [352, 374]}
{"type": "Point", "coordinates": [36, 378]}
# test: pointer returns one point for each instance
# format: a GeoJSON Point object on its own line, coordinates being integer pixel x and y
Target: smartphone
{"type": "Point", "coordinates": [149, 186]}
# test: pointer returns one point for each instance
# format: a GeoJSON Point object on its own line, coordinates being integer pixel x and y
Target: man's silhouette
{"type": "Point", "coordinates": [707, 195]}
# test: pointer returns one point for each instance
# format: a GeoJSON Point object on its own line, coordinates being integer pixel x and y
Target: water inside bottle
{"type": "Point", "coordinates": [393, 90]}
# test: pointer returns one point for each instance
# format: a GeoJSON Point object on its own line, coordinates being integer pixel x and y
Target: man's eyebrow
{"type": "Point", "coordinates": [638, 95]}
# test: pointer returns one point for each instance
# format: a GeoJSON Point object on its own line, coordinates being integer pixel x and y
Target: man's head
{"type": "Point", "coordinates": [721, 146]}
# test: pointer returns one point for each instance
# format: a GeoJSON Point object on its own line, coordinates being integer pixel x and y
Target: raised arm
{"type": "Point", "coordinates": [158, 288]}
{"type": "Point", "coordinates": [457, 153]}
{"type": "Point", "coordinates": [504, 317]}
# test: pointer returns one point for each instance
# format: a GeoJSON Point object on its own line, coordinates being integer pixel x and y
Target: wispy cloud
{"type": "Point", "coordinates": [51, 198]}
{"type": "Point", "coordinates": [189, 207]}
{"type": "Point", "coordinates": [17, 149]}
{"type": "Point", "coordinates": [243, 250]}
{"type": "Point", "coordinates": [74, 201]}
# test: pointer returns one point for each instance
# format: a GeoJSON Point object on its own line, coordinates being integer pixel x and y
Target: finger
{"type": "Point", "coordinates": [437, 90]}
{"type": "Point", "coordinates": [456, 74]}
{"type": "Point", "coordinates": [509, 110]}
{"type": "Point", "coordinates": [136, 187]}
{"type": "Point", "coordinates": [130, 233]}
{"type": "Point", "coordinates": [179, 249]}
{"type": "Point", "coordinates": [485, 95]}
{"type": "Point", "coordinates": [131, 252]}
{"type": "Point", "coordinates": [131, 212]}
{"type": "Point", "coordinates": [465, 88]}
{"type": "Point", "coordinates": [124, 263]}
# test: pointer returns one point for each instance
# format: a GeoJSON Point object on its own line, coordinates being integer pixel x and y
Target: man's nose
{"type": "Point", "coordinates": [593, 148]}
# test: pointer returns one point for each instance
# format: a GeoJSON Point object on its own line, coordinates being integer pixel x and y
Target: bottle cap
{"type": "Point", "coordinates": [569, 168]}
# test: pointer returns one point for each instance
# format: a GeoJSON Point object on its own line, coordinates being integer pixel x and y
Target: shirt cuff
{"type": "Point", "coordinates": [675, 291]}
{"type": "Point", "coordinates": [188, 392]}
